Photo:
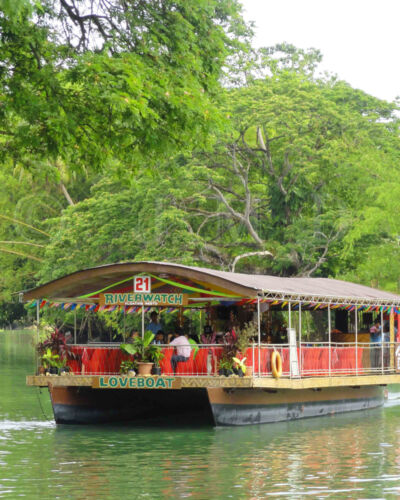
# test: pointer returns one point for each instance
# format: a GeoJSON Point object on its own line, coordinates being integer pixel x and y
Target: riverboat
{"type": "Point", "coordinates": [339, 371]}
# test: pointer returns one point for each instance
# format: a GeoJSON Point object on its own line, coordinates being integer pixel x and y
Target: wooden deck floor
{"type": "Point", "coordinates": [228, 382]}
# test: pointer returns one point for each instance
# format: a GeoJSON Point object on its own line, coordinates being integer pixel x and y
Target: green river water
{"type": "Point", "coordinates": [344, 456]}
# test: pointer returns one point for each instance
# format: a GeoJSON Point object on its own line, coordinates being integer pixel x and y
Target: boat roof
{"type": "Point", "coordinates": [321, 290]}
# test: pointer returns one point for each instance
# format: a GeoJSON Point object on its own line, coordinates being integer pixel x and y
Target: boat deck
{"type": "Point", "coordinates": [100, 381]}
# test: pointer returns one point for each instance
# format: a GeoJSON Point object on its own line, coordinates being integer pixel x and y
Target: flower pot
{"type": "Point", "coordinates": [156, 370]}
{"type": "Point", "coordinates": [228, 372]}
{"type": "Point", "coordinates": [221, 372]}
{"type": "Point", "coordinates": [53, 370]}
{"type": "Point", "coordinates": [41, 370]}
{"type": "Point", "coordinates": [249, 371]}
{"type": "Point", "coordinates": [145, 368]}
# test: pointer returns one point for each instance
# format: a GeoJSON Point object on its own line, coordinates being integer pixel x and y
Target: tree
{"type": "Point", "coordinates": [119, 82]}
{"type": "Point", "coordinates": [94, 88]}
{"type": "Point", "coordinates": [293, 177]}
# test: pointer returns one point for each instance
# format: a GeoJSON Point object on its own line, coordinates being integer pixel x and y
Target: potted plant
{"type": "Point", "coordinates": [50, 362]}
{"type": "Point", "coordinates": [127, 367]}
{"type": "Point", "coordinates": [239, 368]}
{"type": "Point", "coordinates": [63, 368]}
{"type": "Point", "coordinates": [56, 345]}
{"type": "Point", "coordinates": [243, 342]}
{"type": "Point", "coordinates": [145, 353]}
{"type": "Point", "coordinates": [157, 357]}
{"type": "Point", "coordinates": [225, 366]}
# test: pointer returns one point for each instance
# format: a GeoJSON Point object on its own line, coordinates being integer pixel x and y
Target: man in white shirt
{"type": "Point", "coordinates": [182, 350]}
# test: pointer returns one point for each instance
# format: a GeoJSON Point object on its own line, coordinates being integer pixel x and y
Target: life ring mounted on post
{"type": "Point", "coordinates": [276, 364]}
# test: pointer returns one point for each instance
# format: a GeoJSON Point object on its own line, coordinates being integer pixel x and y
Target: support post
{"type": "Point", "coordinates": [356, 335]}
{"type": "Point", "coordinates": [382, 338]}
{"type": "Point", "coordinates": [300, 363]}
{"type": "Point", "coordinates": [124, 325]}
{"type": "Point", "coordinates": [392, 339]}
{"type": "Point", "coordinates": [253, 372]}
{"type": "Point", "coordinates": [398, 328]}
{"type": "Point", "coordinates": [329, 340]}
{"type": "Point", "coordinates": [288, 333]}
{"type": "Point", "coordinates": [143, 320]}
{"type": "Point", "coordinates": [37, 329]}
{"type": "Point", "coordinates": [259, 336]}
{"type": "Point", "coordinates": [75, 326]}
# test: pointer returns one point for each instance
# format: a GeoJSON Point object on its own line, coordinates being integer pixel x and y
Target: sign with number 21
{"type": "Point", "coordinates": [142, 284]}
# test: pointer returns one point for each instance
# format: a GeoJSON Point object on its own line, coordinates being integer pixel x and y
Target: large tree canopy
{"type": "Point", "coordinates": [144, 130]}
{"type": "Point", "coordinates": [99, 88]}
{"type": "Point", "coordinates": [95, 83]}
{"type": "Point", "coordinates": [297, 185]}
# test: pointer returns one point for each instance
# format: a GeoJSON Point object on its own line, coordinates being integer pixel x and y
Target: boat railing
{"type": "Point", "coordinates": [307, 359]}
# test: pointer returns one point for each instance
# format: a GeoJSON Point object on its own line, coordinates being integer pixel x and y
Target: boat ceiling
{"type": "Point", "coordinates": [90, 280]}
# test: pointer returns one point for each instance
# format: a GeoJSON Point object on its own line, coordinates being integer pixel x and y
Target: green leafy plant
{"type": "Point", "coordinates": [225, 364]}
{"type": "Point", "coordinates": [239, 364]}
{"type": "Point", "coordinates": [143, 350]}
{"type": "Point", "coordinates": [57, 344]}
{"type": "Point", "coordinates": [195, 348]}
{"type": "Point", "coordinates": [50, 360]}
{"type": "Point", "coordinates": [126, 366]}
{"type": "Point", "coordinates": [244, 336]}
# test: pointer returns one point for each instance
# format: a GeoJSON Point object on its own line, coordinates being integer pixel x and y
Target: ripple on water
{"type": "Point", "coordinates": [25, 425]}
{"type": "Point", "coordinates": [343, 456]}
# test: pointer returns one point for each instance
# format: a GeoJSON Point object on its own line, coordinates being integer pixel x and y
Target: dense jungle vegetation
{"type": "Point", "coordinates": [134, 130]}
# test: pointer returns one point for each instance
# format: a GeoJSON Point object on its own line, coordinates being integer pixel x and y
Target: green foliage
{"type": "Point", "coordinates": [240, 364]}
{"type": "Point", "coordinates": [143, 350]}
{"type": "Point", "coordinates": [244, 336]}
{"type": "Point", "coordinates": [10, 312]}
{"type": "Point", "coordinates": [98, 91]}
{"type": "Point", "coordinates": [195, 347]}
{"type": "Point", "coordinates": [118, 83]}
{"type": "Point", "coordinates": [118, 142]}
{"type": "Point", "coordinates": [225, 363]}
{"type": "Point", "coordinates": [126, 366]}
{"type": "Point", "coordinates": [49, 359]}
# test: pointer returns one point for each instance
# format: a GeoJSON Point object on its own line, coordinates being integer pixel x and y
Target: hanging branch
{"type": "Point", "coordinates": [26, 256]}
{"type": "Point", "coordinates": [248, 254]}
{"type": "Point", "coordinates": [22, 243]}
{"type": "Point", "coordinates": [24, 224]}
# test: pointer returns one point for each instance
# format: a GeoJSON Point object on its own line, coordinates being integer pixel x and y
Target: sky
{"type": "Point", "coordinates": [359, 39]}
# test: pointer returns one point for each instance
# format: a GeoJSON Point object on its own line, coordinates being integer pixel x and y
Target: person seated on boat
{"type": "Point", "coordinates": [159, 338]}
{"type": "Point", "coordinates": [68, 338]}
{"type": "Point", "coordinates": [386, 338]}
{"type": "Point", "coordinates": [209, 336]}
{"type": "Point", "coordinates": [154, 326]}
{"type": "Point", "coordinates": [386, 331]}
{"type": "Point", "coordinates": [230, 337]}
{"type": "Point", "coordinates": [375, 338]}
{"type": "Point", "coordinates": [134, 334]}
{"type": "Point", "coordinates": [182, 350]}
{"type": "Point", "coordinates": [219, 339]}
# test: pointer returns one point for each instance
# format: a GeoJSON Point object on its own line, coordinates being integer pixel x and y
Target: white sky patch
{"type": "Point", "coordinates": [359, 39]}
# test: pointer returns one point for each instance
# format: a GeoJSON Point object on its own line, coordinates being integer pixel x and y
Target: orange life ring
{"type": "Point", "coordinates": [276, 364]}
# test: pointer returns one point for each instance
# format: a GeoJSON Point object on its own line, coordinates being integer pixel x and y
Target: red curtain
{"type": "Point", "coordinates": [314, 360]}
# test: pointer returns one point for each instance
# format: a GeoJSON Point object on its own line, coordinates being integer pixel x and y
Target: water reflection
{"type": "Point", "coordinates": [343, 456]}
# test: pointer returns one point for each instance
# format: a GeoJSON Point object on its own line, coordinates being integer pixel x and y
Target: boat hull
{"type": "Point", "coordinates": [261, 406]}
{"type": "Point", "coordinates": [84, 405]}
{"type": "Point", "coordinates": [219, 406]}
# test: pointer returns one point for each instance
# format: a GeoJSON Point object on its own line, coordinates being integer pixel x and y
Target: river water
{"type": "Point", "coordinates": [342, 456]}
